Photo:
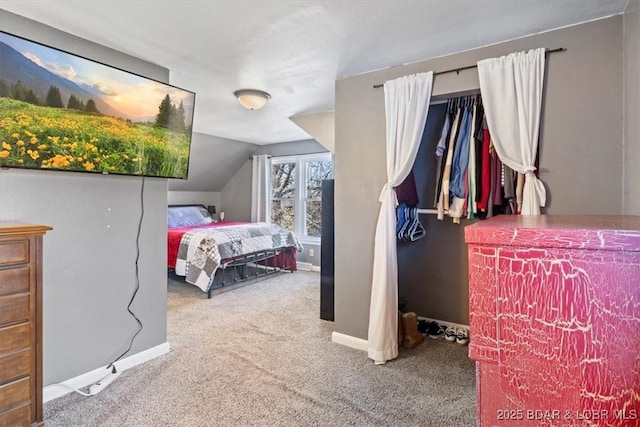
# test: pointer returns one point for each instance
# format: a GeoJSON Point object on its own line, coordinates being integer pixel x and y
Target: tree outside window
{"type": "Point", "coordinates": [317, 171]}
{"type": "Point", "coordinates": [296, 192]}
{"type": "Point", "coordinates": [283, 194]}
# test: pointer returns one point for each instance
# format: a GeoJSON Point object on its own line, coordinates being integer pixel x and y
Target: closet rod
{"type": "Point", "coordinates": [468, 67]}
{"type": "Point", "coordinates": [427, 211]}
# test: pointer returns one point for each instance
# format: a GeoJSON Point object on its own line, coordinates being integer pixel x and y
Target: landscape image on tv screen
{"type": "Point", "coordinates": [59, 111]}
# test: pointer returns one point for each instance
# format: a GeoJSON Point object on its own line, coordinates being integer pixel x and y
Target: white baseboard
{"type": "Point", "coordinates": [361, 344]}
{"type": "Point", "coordinates": [304, 266]}
{"type": "Point", "coordinates": [307, 266]}
{"type": "Point", "coordinates": [54, 391]}
{"type": "Point", "coordinates": [349, 341]}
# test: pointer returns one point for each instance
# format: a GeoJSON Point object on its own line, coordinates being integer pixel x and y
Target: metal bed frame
{"type": "Point", "coordinates": [240, 271]}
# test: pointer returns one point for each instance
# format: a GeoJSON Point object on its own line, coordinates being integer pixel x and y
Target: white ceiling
{"type": "Point", "coordinates": [294, 49]}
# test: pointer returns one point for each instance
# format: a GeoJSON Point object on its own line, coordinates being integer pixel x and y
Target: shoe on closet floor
{"type": "Point", "coordinates": [425, 326]}
{"type": "Point", "coordinates": [462, 337]}
{"type": "Point", "coordinates": [451, 333]}
{"type": "Point", "coordinates": [412, 337]}
{"type": "Point", "coordinates": [436, 331]}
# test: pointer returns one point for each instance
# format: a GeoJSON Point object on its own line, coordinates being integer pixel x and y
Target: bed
{"type": "Point", "coordinates": [210, 254]}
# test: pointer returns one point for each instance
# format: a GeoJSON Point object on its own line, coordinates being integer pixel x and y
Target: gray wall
{"type": "Point", "coordinates": [309, 146]}
{"type": "Point", "coordinates": [195, 197]}
{"type": "Point", "coordinates": [89, 256]}
{"type": "Point", "coordinates": [580, 152]}
{"type": "Point", "coordinates": [236, 194]}
{"type": "Point", "coordinates": [235, 197]}
{"type": "Point", "coordinates": [632, 108]}
{"type": "Point", "coordinates": [212, 162]}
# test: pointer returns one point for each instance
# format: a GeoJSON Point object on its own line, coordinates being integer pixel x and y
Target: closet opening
{"type": "Point", "coordinates": [433, 270]}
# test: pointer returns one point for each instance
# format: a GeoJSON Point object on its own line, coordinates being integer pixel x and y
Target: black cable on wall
{"type": "Point", "coordinates": [137, 279]}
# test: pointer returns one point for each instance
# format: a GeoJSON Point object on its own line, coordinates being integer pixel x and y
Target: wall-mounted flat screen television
{"type": "Point", "coordinates": [60, 111]}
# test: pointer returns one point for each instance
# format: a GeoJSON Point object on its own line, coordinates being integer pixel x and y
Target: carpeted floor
{"type": "Point", "coordinates": [260, 356]}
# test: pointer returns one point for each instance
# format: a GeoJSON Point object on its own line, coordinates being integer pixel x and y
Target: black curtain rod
{"type": "Point", "coordinates": [457, 70]}
{"type": "Point", "coordinates": [268, 156]}
{"type": "Point", "coordinates": [292, 155]}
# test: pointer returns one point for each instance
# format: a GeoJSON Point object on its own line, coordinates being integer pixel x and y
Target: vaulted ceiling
{"type": "Point", "coordinates": [294, 50]}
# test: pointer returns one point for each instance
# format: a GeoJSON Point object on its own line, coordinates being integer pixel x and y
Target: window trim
{"type": "Point", "coordinates": [301, 199]}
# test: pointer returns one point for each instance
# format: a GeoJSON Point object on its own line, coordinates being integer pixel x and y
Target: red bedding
{"type": "Point", "coordinates": [174, 235]}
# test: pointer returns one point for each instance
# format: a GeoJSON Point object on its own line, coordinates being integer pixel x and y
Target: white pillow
{"type": "Point", "coordinates": [181, 216]}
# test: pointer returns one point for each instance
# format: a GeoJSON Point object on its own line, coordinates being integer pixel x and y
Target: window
{"type": "Point", "coordinates": [296, 193]}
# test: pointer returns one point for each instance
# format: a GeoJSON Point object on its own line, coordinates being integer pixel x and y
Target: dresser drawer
{"type": "Point", "coordinates": [21, 323]}
{"type": "Point", "coordinates": [15, 365]}
{"type": "Point", "coordinates": [14, 308]}
{"type": "Point", "coordinates": [18, 417]}
{"type": "Point", "coordinates": [14, 280]}
{"type": "Point", "coordinates": [14, 252]}
{"type": "Point", "coordinates": [15, 393]}
{"type": "Point", "coordinates": [14, 338]}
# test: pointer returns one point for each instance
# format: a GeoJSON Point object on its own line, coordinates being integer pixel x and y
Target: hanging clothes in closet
{"type": "Point", "coordinates": [408, 226]}
{"type": "Point", "coordinates": [471, 182]}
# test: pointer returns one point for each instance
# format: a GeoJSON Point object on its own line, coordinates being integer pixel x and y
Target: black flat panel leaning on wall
{"type": "Point", "coordinates": [327, 252]}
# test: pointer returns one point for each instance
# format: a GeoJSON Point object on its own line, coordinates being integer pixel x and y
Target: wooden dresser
{"type": "Point", "coordinates": [21, 323]}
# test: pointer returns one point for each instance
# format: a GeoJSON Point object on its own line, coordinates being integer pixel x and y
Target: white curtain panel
{"type": "Point", "coordinates": [260, 188]}
{"type": "Point", "coordinates": [406, 107]}
{"type": "Point", "coordinates": [511, 88]}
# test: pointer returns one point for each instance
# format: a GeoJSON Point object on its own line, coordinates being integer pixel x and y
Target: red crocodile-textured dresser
{"type": "Point", "coordinates": [554, 313]}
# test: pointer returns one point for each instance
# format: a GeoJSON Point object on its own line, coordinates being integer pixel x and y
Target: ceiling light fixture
{"type": "Point", "coordinates": [252, 99]}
